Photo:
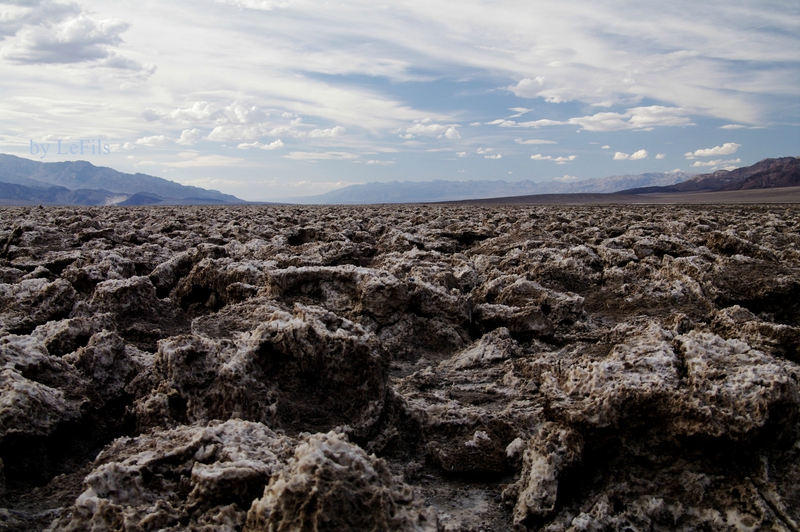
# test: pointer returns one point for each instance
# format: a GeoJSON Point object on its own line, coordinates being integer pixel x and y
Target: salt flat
{"type": "Point", "coordinates": [439, 367]}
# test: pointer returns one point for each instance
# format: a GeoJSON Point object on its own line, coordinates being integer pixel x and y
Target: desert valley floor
{"type": "Point", "coordinates": [416, 368]}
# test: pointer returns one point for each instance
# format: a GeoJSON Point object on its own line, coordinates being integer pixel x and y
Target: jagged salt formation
{"type": "Point", "coordinates": [400, 368]}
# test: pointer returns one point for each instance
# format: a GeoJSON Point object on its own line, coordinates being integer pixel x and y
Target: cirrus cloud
{"type": "Point", "coordinates": [637, 118]}
{"type": "Point", "coordinates": [321, 156]}
{"type": "Point", "coordinates": [718, 162]}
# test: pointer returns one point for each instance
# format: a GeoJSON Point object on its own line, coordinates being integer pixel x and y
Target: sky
{"type": "Point", "coordinates": [269, 99]}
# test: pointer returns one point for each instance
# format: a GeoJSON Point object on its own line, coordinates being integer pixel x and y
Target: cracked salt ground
{"type": "Point", "coordinates": [425, 368]}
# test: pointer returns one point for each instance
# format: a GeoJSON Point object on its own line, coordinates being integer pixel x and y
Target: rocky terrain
{"type": "Point", "coordinates": [419, 368]}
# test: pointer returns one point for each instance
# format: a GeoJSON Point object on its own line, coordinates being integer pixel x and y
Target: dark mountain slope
{"type": "Point", "coordinates": [768, 173]}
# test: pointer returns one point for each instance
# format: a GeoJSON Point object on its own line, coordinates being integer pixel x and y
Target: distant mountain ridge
{"type": "Point", "coordinates": [87, 184]}
{"type": "Point", "coordinates": [442, 190]}
{"type": "Point", "coordinates": [767, 173]}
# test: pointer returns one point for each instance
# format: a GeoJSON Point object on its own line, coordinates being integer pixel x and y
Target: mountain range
{"type": "Point", "coordinates": [26, 182]}
{"type": "Point", "coordinates": [768, 173]}
{"type": "Point", "coordinates": [23, 181]}
{"type": "Point", "coordinates": [441, 190]}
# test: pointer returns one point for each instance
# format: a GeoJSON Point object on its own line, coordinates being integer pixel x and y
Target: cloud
{"type": "Point", "coordinates": [154, 141]}
{"type": "Point", "coordinates": [275, 145]}
{"type": "Point", "coordinates": [262, 5]}
{"type": "Point", "coordinates": [519, 111]}
{"type": "Point", "coordinates": [36, 13]}
{"type": "Point", "coordinates": [566, 178]}
{"type": "Point", "coordinates": [535, 141]}
{"type": "Point", "coordinates": [496, 156]}
{"type": "Point", "coordinates": [77, 39]}
{"type": "Point", "coordinates": [528, 88]}
{"type": "Point", "coordinates": [189, 137]}
{"type": "Point", "coordinates": [481, 151]}
{"type": "Point", "coordinates": [557, 160]}
{"type": "Point", "coordinates": [206, 160]}
{"type": "Point", "coordinates": [332, 133]}
{"type": "Point", "coordinates": [718, 162]}
{"type": "Point", "coordinates": [732, 126]}
{"type": "Point", "coordinates": [726, 149]}
{"type": "Point", "coordinates": [198, 113]}
{"type": "Point", "coordinates": [126, 146]}
{"type": "Point", "coordinates": [660, 155]}
{"type": "Point", "coordinates": [606, 147]}
{"type": "Point", "coordinates": [383, 163]}
{"type": "Point", "coordinates": [637, 118]}
{"type": "Point", "coordinates": [320, 156]}
{"type": "Point", "coordinates": [151, 115]}
{"type": "Point", "coordinates": [433, 130]}
{"type": "Point", "coordinates": [238, 112]}
{"type": "Point", "coordinates": [636, 156]}
{"type": "Point", "coordinates": [461, 154]}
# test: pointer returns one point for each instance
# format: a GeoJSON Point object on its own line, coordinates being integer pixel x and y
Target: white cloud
{"type": "Point", "coordinates": [620, 156]}
{"type": "Point", "coordinates": [519, 111]}
{"type": "Point", "coordinates": [637, 118]}
{"type": "Point", "coordinates": [496, 156]}
{"type": "Point", "coordinates": [275, 145]}
{"type": "Point", "coordinates": [123, 146]}
{"type": "Point", "coordinates": [566, 178]}
{"type": "Point", "coordinates": [189, 137]}
{"type": "Point", "coordinates": [73, 40]}
{"type": "Point", "coordinates": [383, 163]}
{"type": "Point", "coordinates": [718, 162]}
{"type": "Point", "coordinates": [461, 154]}
{"type": "Point", "coordinates": [606, 147]}
{"type": "Point", "coordinates": [726, 149]}
{"type": "Point", "coordinates": [263, 5]}
{"type": "Point", "coordinates": [535, 141]}
{"type": "Point", "coordinates": [320, 156]}
{"type": "Point", "coordinates": [481, 151]}
{"type": "Point", "coordinates": [528, 88]}
{"type": "Point", "coordinates": [152, 142]}
{"type": "Point", "coordinates": [332, 133]}
{"type": "Point", "coordinates": [198, 113]}
{"type": "Point", "coordinates": [660, 155]}
{"type": "Point", "coordinates": [433, 130]}
{"type": "Point", "coordinates": [206, 160]}
{"type": "Point", "coordinates": [557, 160]}
{"type": "Point", "coordinates": [236, 113]}
{"type": "Point", "coordinates": [732, 126]}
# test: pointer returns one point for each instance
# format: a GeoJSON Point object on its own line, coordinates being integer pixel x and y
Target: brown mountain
{"type": "Point", "coordinates": [769, 173]}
